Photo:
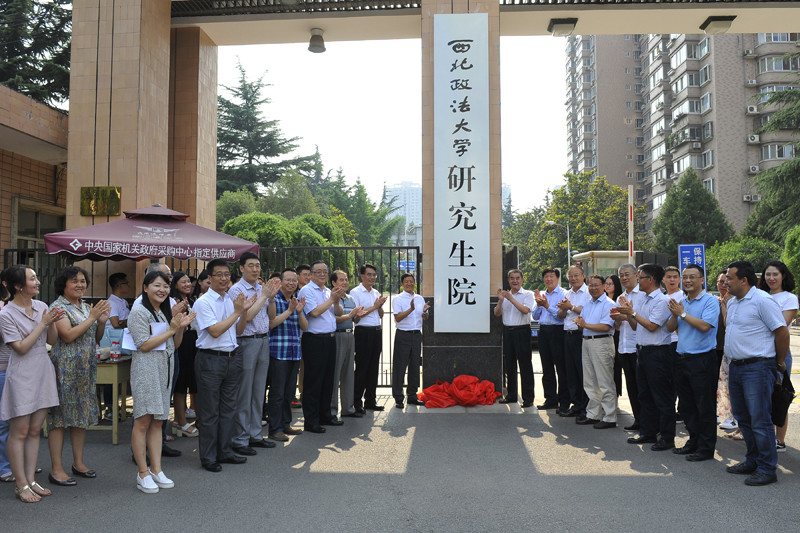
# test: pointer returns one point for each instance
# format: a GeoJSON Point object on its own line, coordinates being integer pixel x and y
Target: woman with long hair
{"type": "Point", "coordinates": [75, 361]}
{"type": "Point", "coordinates": [182, 289]}
{"type": "Point", "coordinates": [779, 282]}
{"type": "Point", "coordinates": [30, 387]}
{"type": "Point", "coordinates": [155, 333]}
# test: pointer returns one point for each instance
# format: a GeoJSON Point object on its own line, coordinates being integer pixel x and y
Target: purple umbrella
{"type": "Point", "coordinates": [151, 232]}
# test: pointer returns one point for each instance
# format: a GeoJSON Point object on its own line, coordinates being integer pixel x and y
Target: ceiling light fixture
{"type": "Point", "coordinates": [717, 25]}
{"type": "Point", "coordinates": [562, 27]}
{"type": "Point", "coordinates": [316, 44]}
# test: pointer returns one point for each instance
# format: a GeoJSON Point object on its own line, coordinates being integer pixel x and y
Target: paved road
{"type": "Point", "coordinates": [491, 468]}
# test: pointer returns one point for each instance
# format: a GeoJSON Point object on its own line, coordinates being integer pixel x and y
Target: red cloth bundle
{"type": "Point", "coordinates": [465, 390]}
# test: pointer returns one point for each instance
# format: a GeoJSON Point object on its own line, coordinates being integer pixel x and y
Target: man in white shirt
{"type": "Point", "coordinates": [515, 307]}
{"type": "Point", "coordinates": [569, 309]}
{"type": "Point", "coordinates": [409, 311]}
{"type": "Point", "coordinates": [627, 340]}
{"type": "Point", "coordinates": [368, 340]}
{"type": "Point", "coordinates": [218, 366]}
{"type": "Point", "coordinates": [118, 318]}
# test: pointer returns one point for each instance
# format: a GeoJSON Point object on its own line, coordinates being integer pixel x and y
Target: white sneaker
{"type": "Point", "coordinates": [146, 485]}
{"type": "Point", "coordinates": [729, 425]}
{"type": "Point", "coordinates": [161, 480]}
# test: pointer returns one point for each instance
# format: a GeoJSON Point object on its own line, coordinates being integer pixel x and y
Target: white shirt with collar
{"type": "Point", "coordinates": [401, 303]}
{"type": "Point", "coordinates": [577, 298]}
{"type": "Point", "coordinates": [212, 308]}
{"type": "Point", "coordinates": [119, 309]}
{"type": "Point", "coordinates": [627, 335]}
{"type": "Point", "coordinates": [366, 298]}
{"type": "Point", "coordinates": [678, 296]}
{"type": "Point", "coordinates": [511, 315]}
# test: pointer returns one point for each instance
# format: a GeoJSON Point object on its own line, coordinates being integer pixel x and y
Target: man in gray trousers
{"type": "Point", "coordinates": [345, 350]}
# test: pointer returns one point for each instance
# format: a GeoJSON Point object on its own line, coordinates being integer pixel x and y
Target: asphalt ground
{"type": "Point", "coordinates": [489, 468]}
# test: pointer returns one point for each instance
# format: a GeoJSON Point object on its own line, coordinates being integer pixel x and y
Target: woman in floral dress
{"type": "Point", "coordinates": [75, 362]}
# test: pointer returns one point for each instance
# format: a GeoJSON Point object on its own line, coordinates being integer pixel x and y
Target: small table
{"type": "Point", "coordinates": [116, 374]}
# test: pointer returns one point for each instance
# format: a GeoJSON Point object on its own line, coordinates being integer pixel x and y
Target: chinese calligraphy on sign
{"type": "Point", "coordinates": [461, 173]}
{"type": "Point", "coordinates": [692, 253]}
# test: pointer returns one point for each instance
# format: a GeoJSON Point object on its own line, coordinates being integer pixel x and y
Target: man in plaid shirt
{"type": "Point", "coordinates": [286, 320]}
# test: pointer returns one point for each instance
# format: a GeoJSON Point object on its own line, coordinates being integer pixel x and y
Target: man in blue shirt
{"type": "Point", "coordinates": [695, 318]}
{"type": "Point", "coordinates": [757, 342]}
{"type": "Point", "coordinates": [551, 340]}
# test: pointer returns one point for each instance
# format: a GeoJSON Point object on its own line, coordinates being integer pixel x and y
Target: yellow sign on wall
{"type": "Point", "coordinates": [100, 201]}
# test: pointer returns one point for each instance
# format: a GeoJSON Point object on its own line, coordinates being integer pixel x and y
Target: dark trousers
{"type": "Point", "coordinates": [319, 354]}
{"type": "Point", "coordinates": [696, 377]}
{"type": "Point", "coordinates": [368, 347]}
{"type": "Point", "coordinates": [551, 352]}
{"type": "Point", "coordinates": [628, 364]}
{"type": "Point", "coordinates": [655, 371]}
{"type": "Point", "coordinates": [407, 355]}
{"type": "Point", "coordinates": [283, 376]}
{"type": "Point", "coordinates": [217, 382]}
{"type": "Point", "coordinates": [573, 360]}
{"type": "Point", "coordinates": [517, 351]}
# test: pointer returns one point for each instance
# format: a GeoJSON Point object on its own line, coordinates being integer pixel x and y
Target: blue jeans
{"type": "Point", "coordinates": [5, 467]}
{"type": "Point", "coordinates": [751, 401]}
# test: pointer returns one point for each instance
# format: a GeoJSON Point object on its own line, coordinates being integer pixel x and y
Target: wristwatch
{"type": "Point", "coordinates": [683, 315]}
{"type": "Point", "coordinates": [633, 315]}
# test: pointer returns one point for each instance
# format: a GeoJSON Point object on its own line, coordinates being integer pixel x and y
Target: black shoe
{"type": "Point", "coordinates": [166, 451]}
{"type": "Point", "coordinates": [331, 422]}
{"type": "Point", "coordinates": [233, 460]}
{"type": "Point", "coordinates": [632, 427]}
{"type": "Point", "coordinates": [696, 457]}
{"type": "Point", "coordinates": [361, 411]}
{"type": "Point", "coordinates": [357, 414]}
{"type": "Point", "coordinates": [212, 467]}
{"type": "Point", "coordinates": [525, 405]}
{"type": "Point", "coordinates": [760, 478]}
{"type": "Point", "coordinates": [685, 450]}
{"type": "Point", "coordinates": [398, 405]}
{"type": "Point", "coordinates": [583, 421]}
{"type": "Point", "coordinates": [69, 482]}
{"type": "Point", "coordinates": [416, 401]}
{"type": "Point", "coordinates": [261, 443]}
{"type": "Point", "coordinates": [641, 439]}
{"type": "Point", "coordinates": [244, 450]}
{"type": "Point", "coordinates": [547, 405]}
{"type": "Point", "coordinates": [568, 412]}
{"type": "Point", "coordinates": [315, 429]}
{"type": "Point", "coordinates": [741, 468]}
{"type": "Point", "coordinates": [373, 407]}
{"type": "Point", "coordinates": [605, 425]}
{"type": "Point", "coordinates": [507, 400]}
{"type": "Point", "coordinates": [90, 474]}
{"type": "Point", "coordinates": [662, 445]}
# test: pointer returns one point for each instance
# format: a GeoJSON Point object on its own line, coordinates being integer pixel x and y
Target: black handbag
{"type": "Point", "coordinates": [782, 396]}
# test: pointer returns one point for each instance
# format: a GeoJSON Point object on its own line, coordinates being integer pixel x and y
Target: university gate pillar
{"type": "Point", "coordinates": [447, 355]}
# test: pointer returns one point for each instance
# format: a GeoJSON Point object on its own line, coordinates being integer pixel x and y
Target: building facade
{"type": "Point", "coordinates": [702, 99]}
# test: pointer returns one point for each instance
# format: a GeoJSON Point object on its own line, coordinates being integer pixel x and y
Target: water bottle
{"type": "Point", "coordinates": [97, 350]}
{"type": "Point", "coordinates": [116, 351]}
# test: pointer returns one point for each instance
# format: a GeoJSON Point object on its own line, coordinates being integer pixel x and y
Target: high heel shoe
{"type": "Point", "coordinates": [184, 431]}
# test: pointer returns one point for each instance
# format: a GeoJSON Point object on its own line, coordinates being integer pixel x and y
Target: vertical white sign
{"type": "Point", "coordinates": [461, 173]}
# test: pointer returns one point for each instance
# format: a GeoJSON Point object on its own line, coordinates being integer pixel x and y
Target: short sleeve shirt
{"type": "Point", "coordinates": [212, 308]}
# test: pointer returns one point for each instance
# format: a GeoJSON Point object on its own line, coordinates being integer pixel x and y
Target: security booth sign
{"type": "Point", "coordinates": [692, 253]}
{"type": "Point", "coordinates": [461, 173]}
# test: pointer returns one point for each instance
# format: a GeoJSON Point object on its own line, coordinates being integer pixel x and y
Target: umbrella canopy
{"type": "Point", "coordinates": [147, 233]}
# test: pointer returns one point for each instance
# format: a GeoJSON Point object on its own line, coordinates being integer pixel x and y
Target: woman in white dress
{"type": "Point", "coordinates": [155, 333]}
{"type": "Point", "coordinates": [779, 282]}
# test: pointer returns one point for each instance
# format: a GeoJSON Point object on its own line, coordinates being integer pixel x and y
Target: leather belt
{"type": "Point", "coordinates": [256, 336]}
{"type": "Point", "coordinates": [348, 330]}
{"type": "Point", "coordinates": [572, 332]}
{"type": "Point", "coordinates": [331, 334]}
{"type": "Point", "coordinates": [369, 327]}
{"type": "Point", "coordinates": [595, 336]}
{"type": "Point", "coordinates": [512, 328]}
{"type": "Point", "coordinates": [409, 331]}
{"type": "Point", "coordinates": [749, 360]}
{"type": "Point", "coordinates": [217, 352]}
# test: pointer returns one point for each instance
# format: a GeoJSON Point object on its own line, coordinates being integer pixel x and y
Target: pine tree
{"type": "Point", "coordinates": [35, 40]}
{"type": "Point", "coordinates": [508, 214]}
{"type": "Point", "coordinates": [252, 150]}
{"type": "Point", "coordinates": [690, 214]}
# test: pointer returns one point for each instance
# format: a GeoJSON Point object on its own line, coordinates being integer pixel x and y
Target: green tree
{"type": "Point", "coordinates": [265, 229]}
{"type": "Point", "coordinates": [791, 254]}
{"type": "Point", "coordinates": [289, 196]}
{"type": "Point", "coordinates": [690, 214]}
{"type": "Point", "coordinates": [527, 233]}
{"type": "Point", "coordinates": [757, 251]}
{"type": "Point", "coordinates": [323, 226]}
{"type": "Point", "coordinates": [508, 214]}
{"type": "Point", "coordinates": [349, 234]}
{"type": "Point", "coordinates": [35, 40]}
{"type": "Point", "coordinates": [779, 187]}
{"type": "Point", "coordinates": [232, 204]}
{"type": "Point", "coordinates": [374, 223]}
{"type": "Point", "coordinates": [252, 150]}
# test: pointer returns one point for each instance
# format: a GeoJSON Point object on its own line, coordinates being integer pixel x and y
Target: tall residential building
{"type": "Point", "coordinates": [408, 197]}
{"type": "Point", "coordinates": [702, 99]}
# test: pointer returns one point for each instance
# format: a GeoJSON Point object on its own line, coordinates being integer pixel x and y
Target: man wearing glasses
{"type": "Point", "coordinates": [218, 366]}
{"type": "Point", "coordinates": [696, 372]}
{"type": "Point", "coordinates": [655, 362]}
{"type": "Point", "coordinates": [368, 340]}
{"type": "Point", "coordinates": [318, 346]}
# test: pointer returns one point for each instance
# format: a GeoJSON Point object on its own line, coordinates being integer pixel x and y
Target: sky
{"type": "Point", "coordinates": [360, 104]}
